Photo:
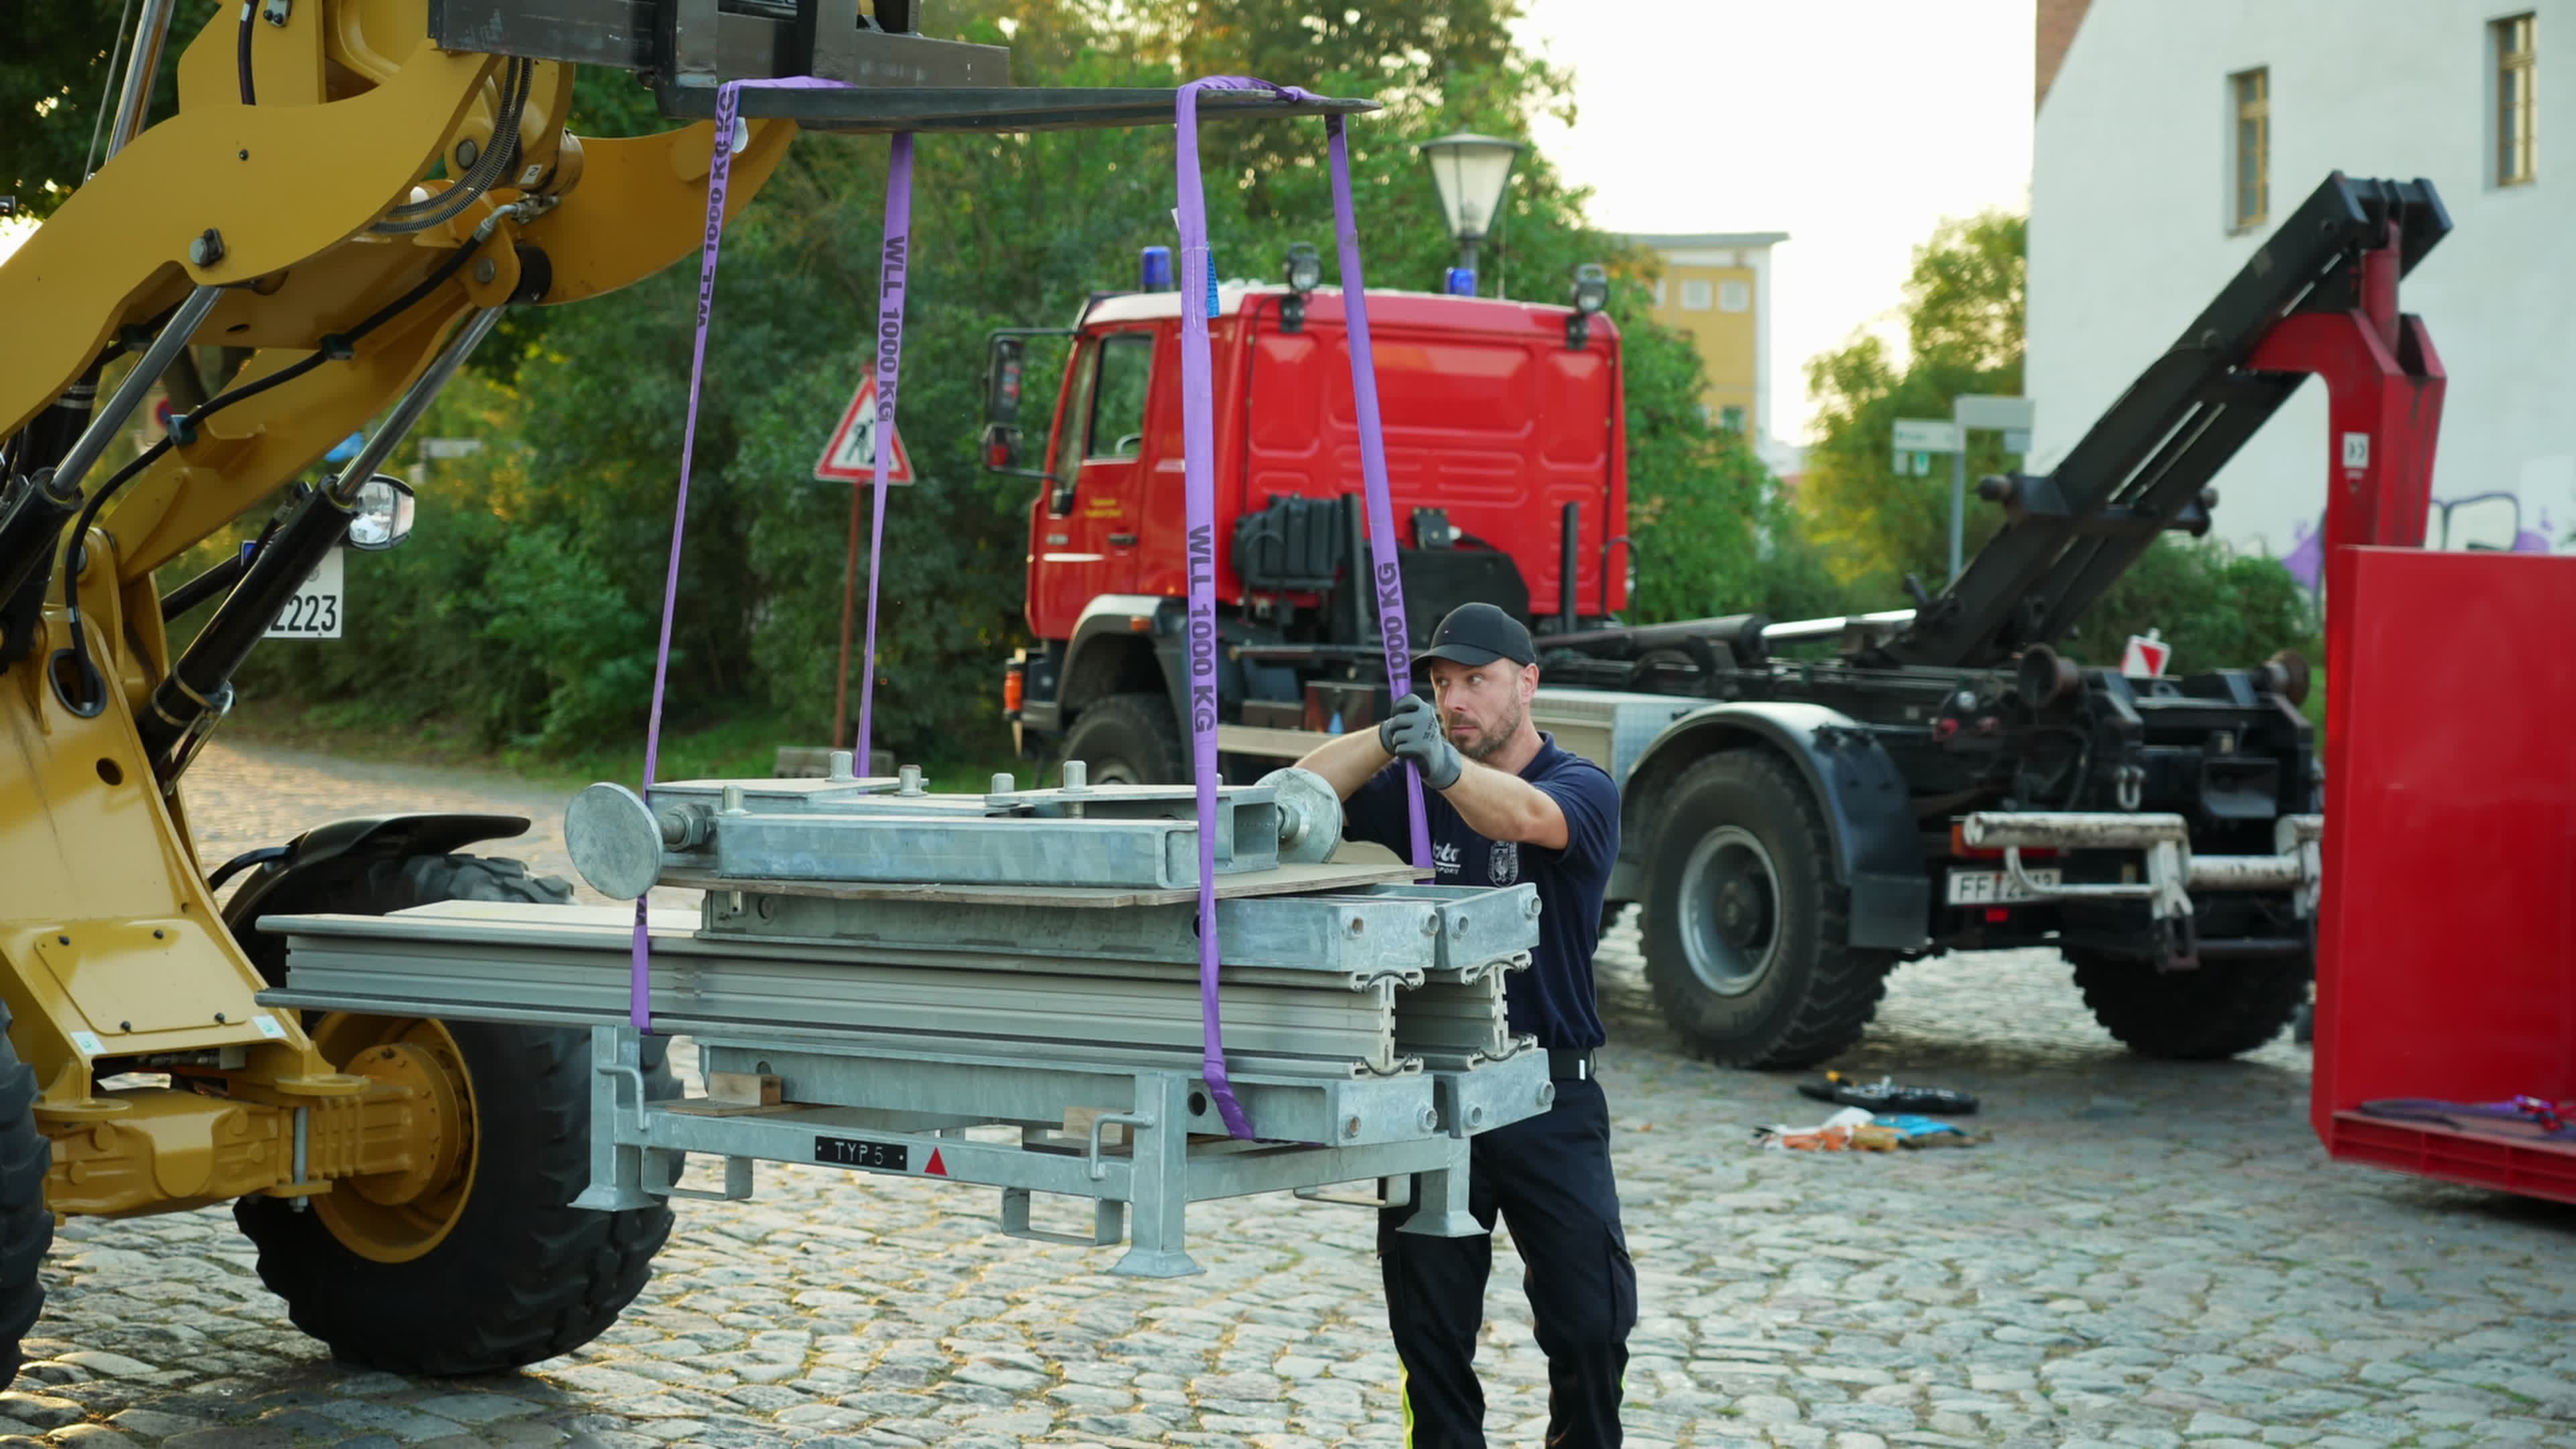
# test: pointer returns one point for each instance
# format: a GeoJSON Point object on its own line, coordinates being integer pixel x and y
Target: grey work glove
{"type": "Point", "coordinates": [1413, 733]}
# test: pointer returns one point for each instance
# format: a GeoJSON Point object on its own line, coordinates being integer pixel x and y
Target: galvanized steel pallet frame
{"type": "Point", "coordinates": [907, 1116]}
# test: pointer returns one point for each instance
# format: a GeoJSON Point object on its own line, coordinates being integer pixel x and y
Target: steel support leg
{"type": "Point", "coordinates": [616, 1164]}
{"type": "Point", "coordinates": [1161, 1197]}
{"type": "Point", "coordinates": [1441, 1198]}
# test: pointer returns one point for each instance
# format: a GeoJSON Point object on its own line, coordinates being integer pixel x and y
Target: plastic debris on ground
{"type": "Point", "coordinates": [1856, 1129]}
{"type": "Point", "coordinates": [1849, 1130]}
{"type": "Point", "coordinates": [1915, 1131]}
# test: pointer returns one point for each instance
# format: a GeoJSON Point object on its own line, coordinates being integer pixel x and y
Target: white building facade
{"type": "Point", "coordinates": [2173, 135]}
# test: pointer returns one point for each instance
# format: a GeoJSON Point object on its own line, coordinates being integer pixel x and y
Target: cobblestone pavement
{"type": "Point", "coordinates": [2145, 1255]}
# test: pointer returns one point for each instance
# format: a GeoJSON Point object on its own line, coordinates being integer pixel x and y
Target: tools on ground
{"type": "Point", "coordinates": [1879, 1116]}
{"type": "Point", "coordinates": [1887, 1095]}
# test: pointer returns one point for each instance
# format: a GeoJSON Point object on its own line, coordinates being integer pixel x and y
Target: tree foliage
{"type": "Point", "coordinates": [1963, 334]}
{"type": "Point", "coordinates": [1712, 534]}
{"type": "Point", "coordinates": [54, 89]}
{"type": "Point", "coordinates": [525, 608]}
{"type": "Point", "coordinates": [1963, 325]}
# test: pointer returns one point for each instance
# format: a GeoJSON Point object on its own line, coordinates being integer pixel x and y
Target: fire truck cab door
{"type": "Point", "coordinates": [1095, 513]}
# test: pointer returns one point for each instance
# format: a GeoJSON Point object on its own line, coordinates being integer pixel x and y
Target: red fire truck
{"type": "Point", "coordinates": [1505, 458]}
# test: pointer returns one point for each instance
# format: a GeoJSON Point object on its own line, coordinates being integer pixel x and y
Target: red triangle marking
{"type": "Point", "coordinates": [849, 457]}
{"type": "Point", "coordinates": [936, 1168]}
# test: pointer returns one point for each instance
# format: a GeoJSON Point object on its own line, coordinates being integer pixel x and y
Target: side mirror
{"type": "Point", "coordinates": [1001, 447]}
{"type": "Point", "coordinates": [1002, 380]}
{"type": "Point", "coordinates": [385, 507]}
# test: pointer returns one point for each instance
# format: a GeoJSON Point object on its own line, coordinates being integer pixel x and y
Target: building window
{"type": "Point", "coordinates": [1659, 291]}
{"type": "Point", "coordinates": [1731, 419]}
{"type": "Point", "coordinates": [2251, 93]}
{"type": "Point", "coordinates": [2515, 106]}
{"type": "Point", "coordinates": [1697, 294]}
{"type": "Point", "coordinates": [1733, 296]}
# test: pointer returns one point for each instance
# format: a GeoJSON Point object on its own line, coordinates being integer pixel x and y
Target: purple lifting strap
{"type": "Point", "coordinates": [890, 283]}
{"type": "Point", "coordinates": [719, 170]}
{"type": "Point", "coordinates": [1383, 554]}
{"type": "Point", "coordinates": [1198, 445]}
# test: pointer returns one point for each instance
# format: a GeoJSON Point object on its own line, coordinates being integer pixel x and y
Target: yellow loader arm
{"type": "Point", "coordinates": [282, 203]}
{"type": "Point", "coordinates": [352, 190]}
{"type": "Point", "coordinates": [339, 226]}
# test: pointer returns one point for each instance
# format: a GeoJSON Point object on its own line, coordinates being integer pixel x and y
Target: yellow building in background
{"type": "Point", "coordinates": [1716, 290]}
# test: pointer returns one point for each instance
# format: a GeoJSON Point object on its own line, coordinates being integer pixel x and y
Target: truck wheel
{"type": "Point", "coordinates": [26, 1228]}
{"type": "Point", "coordinates": [1128, 739]}
{"type": "Point", "coordinates": [2217, 1011]}
{"type": "Point", "coordinates": [1747, 935]}
{"type": "Point", "coordinates": [475, 1261]}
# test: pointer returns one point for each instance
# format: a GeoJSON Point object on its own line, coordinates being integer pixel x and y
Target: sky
{"type": "Point", "coordinates": [1854, 127]}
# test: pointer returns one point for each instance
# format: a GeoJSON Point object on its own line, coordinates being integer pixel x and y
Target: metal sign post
{"type": "Point", "coordinates": [2007, 415]}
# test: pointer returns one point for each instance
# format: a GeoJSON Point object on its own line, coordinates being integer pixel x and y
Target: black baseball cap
{"type": "Point", "coordinates": [1479, 634]}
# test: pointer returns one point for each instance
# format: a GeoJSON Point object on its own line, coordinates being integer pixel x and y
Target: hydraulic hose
{"type": "Point", "coordinates": [338, 346]}
{"type": "Point", "coordinates": [201, 676]}
{"type": "Point", "coordinates": [241, 52]}
{"type": "Point", "coordinates": [414, 216]}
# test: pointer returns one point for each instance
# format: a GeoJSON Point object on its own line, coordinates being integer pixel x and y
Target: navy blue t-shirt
{"type": "Point", "coordinates": [1553, 1000]}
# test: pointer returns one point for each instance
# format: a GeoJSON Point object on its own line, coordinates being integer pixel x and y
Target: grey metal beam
{"type": "Point", "coordinates": [1385, 1109]}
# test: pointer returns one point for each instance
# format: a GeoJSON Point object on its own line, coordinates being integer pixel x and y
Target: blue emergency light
{"type": "Point", "coordinates": [1461, 282]}
{"type": "Point", "coordinates": [1156, 269]}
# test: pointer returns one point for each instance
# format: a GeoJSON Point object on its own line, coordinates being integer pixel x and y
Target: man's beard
{"type": "Point", "coordinates": [1490, 743]}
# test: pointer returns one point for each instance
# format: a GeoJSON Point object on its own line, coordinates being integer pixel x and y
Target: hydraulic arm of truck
{"type": "Point", "coordinates": [2320, 295]}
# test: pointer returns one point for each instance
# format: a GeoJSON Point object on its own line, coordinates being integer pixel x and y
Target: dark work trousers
{"type": "Point", "coordinates": [1549, 1179]}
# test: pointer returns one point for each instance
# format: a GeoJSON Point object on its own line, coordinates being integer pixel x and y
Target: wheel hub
{"type": "Point", "coordinates": [435, 1125]}
{"type": "Point", "coordinates": [1730, 910]}
{"type": "Point", "coordinates": [1739, 915]}
{"type": "Point", "coordinates": [394, 1217]}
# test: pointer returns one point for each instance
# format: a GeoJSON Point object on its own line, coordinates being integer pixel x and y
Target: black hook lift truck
{"type": "Point", "coordinates": [1795, 828]}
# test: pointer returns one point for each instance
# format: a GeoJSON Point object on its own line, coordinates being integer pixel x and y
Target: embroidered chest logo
{"type": "Point", "coordinates": [1444, 858]}
{"type": "Point", "coordinates": [1503, 865]}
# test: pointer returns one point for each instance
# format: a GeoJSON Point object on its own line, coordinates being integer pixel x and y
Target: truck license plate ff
{"type": "Point", "coordinates": [1998, 888]}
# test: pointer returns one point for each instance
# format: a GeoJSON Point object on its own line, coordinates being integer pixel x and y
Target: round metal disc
{"type": "Point", "coordinates": [1310, 816]}
{"type": "Point", "coordinates": [614, 841]}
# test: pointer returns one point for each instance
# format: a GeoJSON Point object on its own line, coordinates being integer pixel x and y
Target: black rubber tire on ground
{"type": "Point", "coordinates": [26, 1228]}
{"type": "Point", "coordinates": [1747, 934]}
{"type": "Point", "coordinates": [2217, 1011]}
{"type": "Point", "coordinates": [1128, 739]}
{"type": "Point", "coordinates": [521, 1275]}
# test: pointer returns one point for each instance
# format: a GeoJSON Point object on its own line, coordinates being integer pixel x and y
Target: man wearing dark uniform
{"type": "Point", "coordinates": [1507, 806]}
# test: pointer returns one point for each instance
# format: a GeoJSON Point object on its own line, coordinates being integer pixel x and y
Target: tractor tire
{"type": "Point", "coordinates": [1747, 934]}
{"type": "Point", "coordinates": [26, 1228]}
{"type": "Point", "coordinates": [493, 1268]}
{"type": "Point", "coordinates": [373, 888]}
{"type": "Point", "coordinates": [1128, 739]}
{"type": "Point", "coordinates": [2203, 1015]}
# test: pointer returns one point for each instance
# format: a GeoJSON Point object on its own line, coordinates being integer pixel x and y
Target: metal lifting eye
{"type": "Point", "coordinates": [77, 682]}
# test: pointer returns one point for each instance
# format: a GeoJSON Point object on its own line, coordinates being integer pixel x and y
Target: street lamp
{"type": "Point", "coordinates": [1470, 170]}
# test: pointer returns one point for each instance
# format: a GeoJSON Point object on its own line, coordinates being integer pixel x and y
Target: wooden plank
{"type": "Point", "coordinates": [703, 1107]}
{"type": "Point", "coordinates": [743, 1089]}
